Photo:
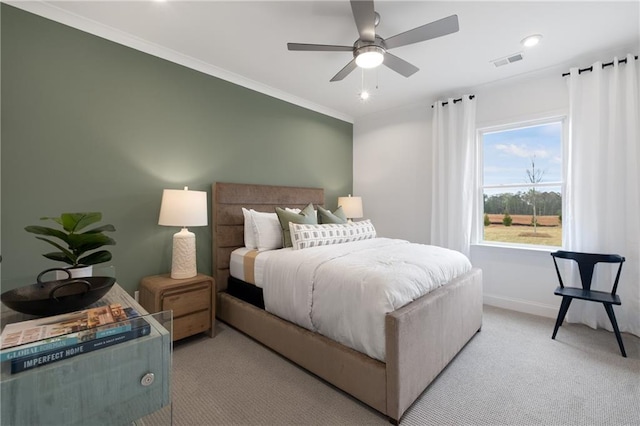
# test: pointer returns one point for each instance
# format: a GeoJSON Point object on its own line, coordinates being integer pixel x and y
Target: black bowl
{"type": "Point", "coordinates": [57, 297]}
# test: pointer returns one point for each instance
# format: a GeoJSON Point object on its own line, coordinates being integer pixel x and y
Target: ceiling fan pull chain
{"type": "Point", "coordinates": [364, 95]}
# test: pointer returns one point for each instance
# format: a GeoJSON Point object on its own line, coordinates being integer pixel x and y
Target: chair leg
{"type": "Point", "coordinates": [612, 317]}
{"type": "Point", "coordinates": [564, 307]}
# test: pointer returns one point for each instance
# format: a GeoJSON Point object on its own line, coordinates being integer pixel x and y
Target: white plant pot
{"type": "Point", "coordinates": [85, 271]}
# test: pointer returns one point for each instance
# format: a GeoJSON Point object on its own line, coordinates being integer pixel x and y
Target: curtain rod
{"type": "Point", "coordinates": [456, 100]}
{"type": "Point", "coordinates": [608, 64]}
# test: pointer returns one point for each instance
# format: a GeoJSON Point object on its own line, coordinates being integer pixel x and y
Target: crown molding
{"type": "Point", "coordinates": [50, 11]}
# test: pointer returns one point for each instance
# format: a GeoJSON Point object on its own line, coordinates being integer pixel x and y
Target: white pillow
{"type": "Point", "coordinates": [305, 236]}
{"type": "Point", "coordinates": [267, 230]}
{"type": "Point", "coordinates": [249, 236]}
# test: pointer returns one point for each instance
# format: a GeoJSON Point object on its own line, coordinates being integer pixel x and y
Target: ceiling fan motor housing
{"type": "Point", "coordinates": [378, 42]}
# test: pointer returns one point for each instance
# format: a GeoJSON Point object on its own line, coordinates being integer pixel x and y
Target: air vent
{"type": "Point", "coordinates": [501, 62]}
{"type": "Point", "coordinates": [515, 57]}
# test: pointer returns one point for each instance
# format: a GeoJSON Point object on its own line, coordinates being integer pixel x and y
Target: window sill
{"type": "Point", "coordinates": [517, 247]}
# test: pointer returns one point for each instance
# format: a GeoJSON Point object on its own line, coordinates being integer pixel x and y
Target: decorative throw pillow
{"type": "Point", "coordinates": [249, 237]}
{"type": "Point", "coordinates": [307, 215]}
{"type": "Point", "coordinates": [325, 216]}
{"type": "Point", "coordinates": [306, 236]}
{"type": "Point", "coordinates": [266, 229]}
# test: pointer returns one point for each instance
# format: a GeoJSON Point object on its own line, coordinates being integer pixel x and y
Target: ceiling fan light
{"type": "Point", "coordinates": [369, 57]}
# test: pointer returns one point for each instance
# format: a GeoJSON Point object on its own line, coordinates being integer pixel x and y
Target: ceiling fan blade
{"type": "Point", "coordinates": [365, 16]}
{"type": "Point", "coordinates": [434, 29]}
{"type": "Point", "coordinates": [318, 47]}
{"type": "Point", "coordinates": [399, 65]}
{"type": "Point", "coordinates": [345, 71]}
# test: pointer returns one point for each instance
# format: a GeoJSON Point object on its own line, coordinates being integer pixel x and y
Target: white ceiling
{"type": "Point", "coordinates": [245, 42]}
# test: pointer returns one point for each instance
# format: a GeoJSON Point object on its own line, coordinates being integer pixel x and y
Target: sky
{"type": "Point", "coordinates": [508, 155]}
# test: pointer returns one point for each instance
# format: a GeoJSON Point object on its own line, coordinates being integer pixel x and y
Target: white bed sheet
{"type": "Point", "coordinates": [344, 291]}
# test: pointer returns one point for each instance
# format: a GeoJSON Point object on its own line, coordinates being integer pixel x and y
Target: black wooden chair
{"type": "Point", "coordinates": [586, 263]}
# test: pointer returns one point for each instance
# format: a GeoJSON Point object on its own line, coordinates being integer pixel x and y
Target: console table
{"type": "Point", "coordinates": [112, 386]}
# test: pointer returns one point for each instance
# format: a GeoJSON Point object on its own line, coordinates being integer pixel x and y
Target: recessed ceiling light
{"type": "Point", "coordinates": [364, 95]}
{"type": "Point", "coordinates": [531, 40]}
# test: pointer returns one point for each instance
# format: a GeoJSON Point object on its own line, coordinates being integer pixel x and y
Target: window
{"type": "Point", "coordinates": [521, 169]}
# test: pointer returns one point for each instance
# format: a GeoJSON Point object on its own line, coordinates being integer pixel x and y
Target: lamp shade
{"type": "Point", "coordinates": [183, 208]}
{"type": "Point", "coordinates": [351, 206]}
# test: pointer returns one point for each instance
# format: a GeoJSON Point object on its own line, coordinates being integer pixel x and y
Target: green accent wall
{"type": "Point", "coordinates": [91, 125]}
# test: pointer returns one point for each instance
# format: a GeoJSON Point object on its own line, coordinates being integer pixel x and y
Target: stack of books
{"type": "Point", "coordinates": [29, 344]}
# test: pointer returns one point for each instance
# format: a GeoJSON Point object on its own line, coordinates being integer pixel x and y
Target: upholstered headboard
{"type": "Point", "coordinates": [228, 221]}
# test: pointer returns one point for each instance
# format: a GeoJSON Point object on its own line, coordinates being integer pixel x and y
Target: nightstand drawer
{"type": "Point", "coordinates": [185, 301]}
{"type": "Point", "coordinates": [191, 324]}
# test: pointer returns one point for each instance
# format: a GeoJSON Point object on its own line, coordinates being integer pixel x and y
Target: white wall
{"type": "Point", "coordinates": [391, 173]}
{"type": "Point", "coordinates": [390, 167]}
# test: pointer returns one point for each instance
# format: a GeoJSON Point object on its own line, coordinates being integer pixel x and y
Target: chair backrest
{"type": "Point", "coordinates": [586, 263]}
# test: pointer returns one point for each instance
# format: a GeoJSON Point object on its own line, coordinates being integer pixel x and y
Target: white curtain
{"type": "Point", "coordinates": [602, 191]}
{"type": "Point", "coordinates": [453, 173]}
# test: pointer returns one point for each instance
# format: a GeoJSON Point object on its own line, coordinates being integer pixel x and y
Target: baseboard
{"type": "Point", "coordinates": [520, 305]}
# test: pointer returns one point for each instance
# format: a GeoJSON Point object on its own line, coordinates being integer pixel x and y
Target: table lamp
{"type": "Point", "coordinates": [183, 208]}
{"type": "Point", "coordinates": [351, 206]}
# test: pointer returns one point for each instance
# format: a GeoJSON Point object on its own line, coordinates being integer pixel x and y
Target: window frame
{"type": "Point", "coordinates": [513, 124]}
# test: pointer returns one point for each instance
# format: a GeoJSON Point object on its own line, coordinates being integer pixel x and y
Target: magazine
{"type": "Point", "coordinates": [44, 334]}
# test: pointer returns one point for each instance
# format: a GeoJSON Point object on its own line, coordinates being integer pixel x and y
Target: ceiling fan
{"type": "Point", "coordinates": [371, 50]}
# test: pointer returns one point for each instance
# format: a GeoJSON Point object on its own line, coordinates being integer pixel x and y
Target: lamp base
{"type": "Point", "coordinates": [183, 257]}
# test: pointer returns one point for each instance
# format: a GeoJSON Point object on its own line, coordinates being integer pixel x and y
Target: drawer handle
{"type": "Point", "coordinates": [147, 379]}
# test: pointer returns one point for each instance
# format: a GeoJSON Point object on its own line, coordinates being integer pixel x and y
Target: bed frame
{"type": "Point", "coordinates": [421, 337]}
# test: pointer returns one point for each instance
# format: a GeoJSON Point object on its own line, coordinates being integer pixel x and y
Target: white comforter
{"type": "Point", "coordinates": [343, 291]}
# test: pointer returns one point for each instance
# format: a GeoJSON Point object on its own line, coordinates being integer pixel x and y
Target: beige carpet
{"type": "Point", "coordinates": [511, 373]}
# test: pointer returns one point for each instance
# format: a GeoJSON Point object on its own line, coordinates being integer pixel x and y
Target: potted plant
{"type": "Point", "coordinates": [78, 244]}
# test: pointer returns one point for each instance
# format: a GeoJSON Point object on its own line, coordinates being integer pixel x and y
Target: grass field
{"type": "Point", "coordinates": [549, 234]}
{"type": "Point", "coordinates": [525, 219]}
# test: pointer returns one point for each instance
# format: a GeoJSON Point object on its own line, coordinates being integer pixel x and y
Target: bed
{"type": "Point", "coordinates": [420, 338]}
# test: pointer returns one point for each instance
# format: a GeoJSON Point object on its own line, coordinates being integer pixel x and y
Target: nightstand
{"type": "Point", "coordinates": [191, 299]}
